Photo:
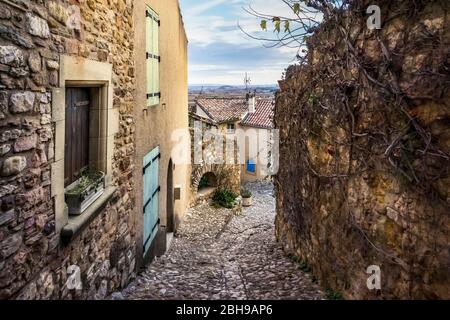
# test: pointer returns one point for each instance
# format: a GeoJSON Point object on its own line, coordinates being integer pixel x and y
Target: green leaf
{"type": "Point", "coordinates": [286, 26]}
{"type": "Point", "coordinates": [296, 8]}
{"type": "Point", "coordinates": [278, 26]}
{"type": "Point", "coordinates": [264, 24]}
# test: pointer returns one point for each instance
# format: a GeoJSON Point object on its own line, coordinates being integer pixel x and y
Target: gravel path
{"type": "Point", "coordinates": [220, 255]}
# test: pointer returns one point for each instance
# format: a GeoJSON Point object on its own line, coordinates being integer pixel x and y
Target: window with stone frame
{"type": "Point", "coordinates": [84, 149]}
{"type": "Point", "coordinates": [231, 128]}
{"type": "Point", "coordinates": [100, 120]}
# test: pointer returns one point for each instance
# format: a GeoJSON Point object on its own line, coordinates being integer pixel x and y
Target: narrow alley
{"type": "Point", "coordinates": [220, 255]}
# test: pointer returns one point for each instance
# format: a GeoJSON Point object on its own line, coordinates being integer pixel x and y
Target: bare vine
{"type": "Point", "coordinates": [353, 101]}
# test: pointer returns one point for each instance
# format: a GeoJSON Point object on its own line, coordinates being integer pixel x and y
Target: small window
{"type": "Point", "coordinates": [153, 57]}
{"type": "Point", "coordinates": [251, 166]}
{"type": "Point", "coordinates": [231, 128]}
{"type": "Point", "coordinates": [84, 150]}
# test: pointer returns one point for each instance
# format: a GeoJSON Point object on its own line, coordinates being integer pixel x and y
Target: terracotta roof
{"type": "Point", "coordinates": [224, 110]}
{"type": "Point", "coordinates": [263, 116]}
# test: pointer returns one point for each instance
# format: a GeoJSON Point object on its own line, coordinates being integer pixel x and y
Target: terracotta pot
{"type": "Point", "coordinates": [247, 202]}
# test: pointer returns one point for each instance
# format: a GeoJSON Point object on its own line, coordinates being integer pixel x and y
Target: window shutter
{"type": "Point", "coordinates": [149, 50]}
{"type": "Point", "coordinates": [156, 58]}
{"type": "Point", "coordinates": [153, 58]}
{"type": "Point", "coordinates": [251, 166]}
{"type": "Point", "coordinates": [151, 196]}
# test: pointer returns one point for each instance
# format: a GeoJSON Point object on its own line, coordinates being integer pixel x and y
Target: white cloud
{"type": "Point", "coordinates": [207, 67]}
{"type": "Point", "coordinates": [201, 8]}
{"type": "Point", "coordinates": [208, 29]}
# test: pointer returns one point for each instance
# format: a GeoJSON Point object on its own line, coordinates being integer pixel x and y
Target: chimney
{"type": "Point", "coordinates": [251, 103]}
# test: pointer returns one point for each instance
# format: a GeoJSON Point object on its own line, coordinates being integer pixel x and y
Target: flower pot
{"type": "Point", "coordinates": [78, 199]}
{"type": "Point", "coordinates": [247, 202]}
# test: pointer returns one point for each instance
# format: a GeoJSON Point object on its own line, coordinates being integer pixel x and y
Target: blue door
{"type": "Point", "coordinates": [151, 197]}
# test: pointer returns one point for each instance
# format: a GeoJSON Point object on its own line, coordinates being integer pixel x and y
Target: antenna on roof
{"type": "Point", "coordinates": [247, 81]}
{"type": "Point", "coordinates": [200, 93]}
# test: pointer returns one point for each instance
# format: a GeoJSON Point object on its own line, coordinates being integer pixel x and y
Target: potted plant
{"type": "Point", "coordinates": [224, 198]}
{"type": "Point", "coordinates": [247, 200]}
{"type": "Point", "coordinates": [83, 192]}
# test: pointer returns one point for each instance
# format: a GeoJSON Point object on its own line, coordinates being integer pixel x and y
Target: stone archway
{"type": "Point", "coordinates": [225, 176]}
{"type": "Point", "coordinates": [197, 173]}
{"type": "Point", "coordinates": [208, 181]}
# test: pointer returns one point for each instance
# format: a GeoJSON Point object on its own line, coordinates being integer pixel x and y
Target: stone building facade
{"type": "Point", "coordinates": [364, 154]}
{"type": "Point", "coordinates": [215, 164]}
{"type": "Point", "coordinates": [249, 122]}
{"type": "Point", "coordinates": [45, 48]}
{"type": "Point", "coordinates": [48, 51]}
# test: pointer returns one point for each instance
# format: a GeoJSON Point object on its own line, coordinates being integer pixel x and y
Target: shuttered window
{"type": "Point", "coordinates": [153, 57]}
{"type": "Point", "coordinates": [76, 152]}
{"type": "Point", "coordinates": [251, 166]}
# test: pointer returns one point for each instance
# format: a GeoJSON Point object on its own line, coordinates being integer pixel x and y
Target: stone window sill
{"type": "Point", "coordinates": [77, 224]}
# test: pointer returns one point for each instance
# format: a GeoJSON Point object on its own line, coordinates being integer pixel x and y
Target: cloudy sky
{"type": "Point", "coordinates": [220, 53]}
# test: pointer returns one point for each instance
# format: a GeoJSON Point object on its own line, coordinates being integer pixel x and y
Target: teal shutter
{"type": "Point", "coordinates": [153, 57]}
{"type": "Point", "coordinates": [151, 197]}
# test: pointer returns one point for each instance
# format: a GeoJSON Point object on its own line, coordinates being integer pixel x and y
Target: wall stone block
{"type": "Point", "coordinates": [13, 165]}
{"type": "Point", "coordinates": [38, 26]}
{"type": "Point", "coordinates": [25, 143]}
{"type": "Point", "coordinates": [10, 245]}
{"type": "Point", "coordinates": [11, 56]}
{"type": "Point", "coordinates": [22, 102]}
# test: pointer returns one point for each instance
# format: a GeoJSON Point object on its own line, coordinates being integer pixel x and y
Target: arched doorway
{"type": "Point", "coordinates": [207, 184]}
{"type": "Point", "coordinates": [170, 200]}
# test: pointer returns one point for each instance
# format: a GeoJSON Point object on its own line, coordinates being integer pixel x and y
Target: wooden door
{"type": "Point", "coordinates": [76, 153]}
{"type": "Point", "coordinates": [151, 197]}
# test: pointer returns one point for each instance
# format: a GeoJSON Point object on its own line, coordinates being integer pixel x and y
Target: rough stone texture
{"type": "Point", "coordinates": [35, 61]}
{"type": "Point", "coordinates": [228, 176]}
{"type": "Point", "coordinates": [218, 255]}
{"type": "Point", "coordinates": [13, 165]}
{"type": "Point", "coordinates": [52, 65]}
{"type": "Point", "coordinates": [358, 185]}
{"type": "Point", "coordinates": [38, 26]}
{"type": "Point", "coordinates": [22, 102]}
{"type": "Point", "coordinates": [34, 264]}
{"type": "Point", "coordinates": [11, 56]}
{"type": "Point", "coordinates": [25, 143]}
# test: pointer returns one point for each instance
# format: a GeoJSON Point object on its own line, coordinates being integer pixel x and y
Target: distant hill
{"type": "Point", "coordinates": [231, 89]}
{"type": "Point", "coordinates": [227, 86]}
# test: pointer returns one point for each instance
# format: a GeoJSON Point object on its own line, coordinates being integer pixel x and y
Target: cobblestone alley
{"type": "Point", "coordinates": [219, 255]}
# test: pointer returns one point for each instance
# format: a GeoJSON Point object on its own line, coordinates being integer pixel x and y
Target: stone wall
{"type": "Point", "coordinates": [364, 152]}
{"type": "Point", "coordinates": [33, 36]}
{"type": "Point", "coordinates": [228, 175]}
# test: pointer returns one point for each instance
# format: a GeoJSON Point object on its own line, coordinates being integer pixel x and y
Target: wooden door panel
{"type": "Point", "coordinates": [151, 197]}
{"type": "Point", "coordinates": [77, 133]}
